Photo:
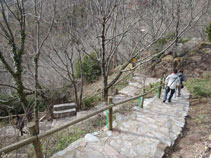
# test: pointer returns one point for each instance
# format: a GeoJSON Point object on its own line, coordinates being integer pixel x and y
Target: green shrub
{"type": "Point", "coordinates": [90, 102]}
{"type": "Point", "coordinates": [90, 67]}
{"type": "Point", "coordinates": [208, 31]}
{"type": "Point", "coordinates": [166, 39]}
{"type": "Point", "coordinates": [199, 87]}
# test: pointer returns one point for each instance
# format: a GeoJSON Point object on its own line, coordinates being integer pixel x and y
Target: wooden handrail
{"type": "Point", "coordinates": [11, 116]}
{"type": "Point", "coordinates": [29, 140]}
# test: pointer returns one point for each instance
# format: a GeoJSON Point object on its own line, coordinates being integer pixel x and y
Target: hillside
{"type": "Point", "coordinates": [194, 57]}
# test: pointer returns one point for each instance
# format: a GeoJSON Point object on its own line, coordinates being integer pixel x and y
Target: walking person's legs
{"type": "Point", "coordinates": [179, 91]}
{"type": "Point", "coordinates": [171, 95]}
{"type": "Point", "coordinates": [166, 93]}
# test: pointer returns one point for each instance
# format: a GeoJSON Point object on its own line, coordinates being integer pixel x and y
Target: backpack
{"type": "Point", "coordinates": [181, 79]}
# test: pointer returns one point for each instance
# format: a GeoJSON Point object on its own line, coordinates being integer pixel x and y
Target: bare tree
{"type": "Point", "coordinates": [13, 30]}
{"type": "Point", "coordinates": [40, 40]}
{"type": "Point", "coordinates": [62, 57]}
{"type": "Point", "coordinates": [34, 19]}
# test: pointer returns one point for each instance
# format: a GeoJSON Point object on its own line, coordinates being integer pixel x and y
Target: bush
{"type": "Point", "coordinates": [199, 87]}
{"type": "Point", "coordinates": [90, 67]}
{"type": "Point", "coordinates": [208, 31]}
{"type": "Point", "coordinates": [166, 39]}
{"type": "Point", "coordinates": [16, 107]}
{"type": "Point", "coordinates": [90, 102]}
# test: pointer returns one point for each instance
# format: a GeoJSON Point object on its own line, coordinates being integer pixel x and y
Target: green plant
{"type": "Point", "coordinates": [123, 83]}
{"type": "Point", "coordinates": [166, 39]}
{"type": "Point", "coordinates": [199, 87]}
{"type": "Point", "coordinates": [90, 67]}
{"type": "Point", "coordinates": [208, 31]}
{"type": "Point", "coordinates": [90, 102]}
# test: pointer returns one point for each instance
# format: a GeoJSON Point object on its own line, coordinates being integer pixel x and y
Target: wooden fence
{"type": "Point", "coordinates": [35, 137]}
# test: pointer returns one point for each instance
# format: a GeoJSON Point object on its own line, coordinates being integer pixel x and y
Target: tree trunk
{"type": "Point", "coordinates": [49, 112]}
{"type": "Point", "coordinates": [22, 98]}
{"type": "Point", "coordinates": [76, 96]}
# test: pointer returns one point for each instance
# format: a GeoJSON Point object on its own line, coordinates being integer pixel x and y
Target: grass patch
{"type": "Point", "coordinates": [123, 83]}
{"type": "Point", "coordinates": [153, 85]}
{"type": "Point", "coordinates": [64, 138]}
{"type": "Point", "coordinates": [199, 87]}
{"type": "Point", "coordinates": [90, 102]}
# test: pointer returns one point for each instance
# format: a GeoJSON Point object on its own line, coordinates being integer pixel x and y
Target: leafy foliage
{"type": "Point", "coordinates": [90, 67]}
{"type": "Point", "coordinates": [208, 31]}
{"type": "Point", "coordinates": [16, 106]}
{"type": "Point", "coordinates": [166, 39]}
{"type": "Point", "coordinates": [89, 102]}
{"type": "Point", "coordinates": [200, 87]}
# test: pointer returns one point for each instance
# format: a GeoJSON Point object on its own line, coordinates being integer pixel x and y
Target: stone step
{"type": "Point", "coordinates": [129, 91]}
{"type": "Point", "coordinates": [119, 97]}
{"type": "Point", "coordinates": [138, 79]}
{"type": "Point", "coordinates": [65, 106]}
{"type": "Point", "coordinates": [135, 84]}
{"type": "Point", "coordinates": [148, 80]}
{"type": "Point", "coordinates": [64, 113]}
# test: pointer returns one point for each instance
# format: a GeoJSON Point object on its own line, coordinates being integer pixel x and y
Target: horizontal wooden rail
{"type": "Point", "coordinates": [11, 116]}
{"type": "Point", "coordinates": [29, 140]}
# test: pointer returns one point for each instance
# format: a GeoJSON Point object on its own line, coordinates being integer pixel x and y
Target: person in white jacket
{"type": "Point", "coordinates": [172, 82]}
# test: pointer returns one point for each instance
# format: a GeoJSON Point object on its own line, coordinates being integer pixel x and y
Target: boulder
{"type": "Point", "coordinates": [90, 138]}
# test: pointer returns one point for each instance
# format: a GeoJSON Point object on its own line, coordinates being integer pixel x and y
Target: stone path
{"type": "Point", "coordinates": [144, 133]}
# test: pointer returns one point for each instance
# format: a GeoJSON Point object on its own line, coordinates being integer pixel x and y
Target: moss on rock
{"type": "Point", "coordinates": [167, 58]}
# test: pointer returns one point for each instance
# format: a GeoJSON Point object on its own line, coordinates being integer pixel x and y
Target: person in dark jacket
{"type": "Point", "coordinates": [182, 78]}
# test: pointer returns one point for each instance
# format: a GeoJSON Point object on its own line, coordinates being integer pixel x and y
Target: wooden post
{"type": "Point", "coordinates": [110, 114]}
{"type": "Point", "coordinates": [161, 82]}
{"type": "Point", "coordinates": [133, 65]}
{"type": "Point", "coordinates": [37, 145]}
{"type": "Point", "coordinates": [164, 80]}
{"type": "Point", "coordinates": [142, 100]}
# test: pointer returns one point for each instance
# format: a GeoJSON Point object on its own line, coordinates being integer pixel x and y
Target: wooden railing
{"type": "Point", "coordinates": [22, 115]}
{"type": "Point", "coordinates": [35, 138]}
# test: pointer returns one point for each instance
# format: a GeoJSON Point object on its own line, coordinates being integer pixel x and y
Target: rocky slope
{"type": "Point", "coordinates": [194, 57]}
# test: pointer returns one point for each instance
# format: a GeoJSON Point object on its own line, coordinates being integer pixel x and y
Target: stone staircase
{"type": "Point", "coordinates": [142, 133]}
{"type": "Point", "coordinates": [64, 110]}
{"type": "Point", "coordinates": [136, 84]}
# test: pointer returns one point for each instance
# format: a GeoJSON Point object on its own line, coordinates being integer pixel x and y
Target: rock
{"type": "Point", "coordinates": [95, 133]}
{"type": "Point", "coordinates": [109, 133]}
{"type": "Point", "coordinates": [90, 138]}
{"type": "Point", "coordinates": [196, 58]}
{"type": "Point", "coordinates": [167, 58]}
